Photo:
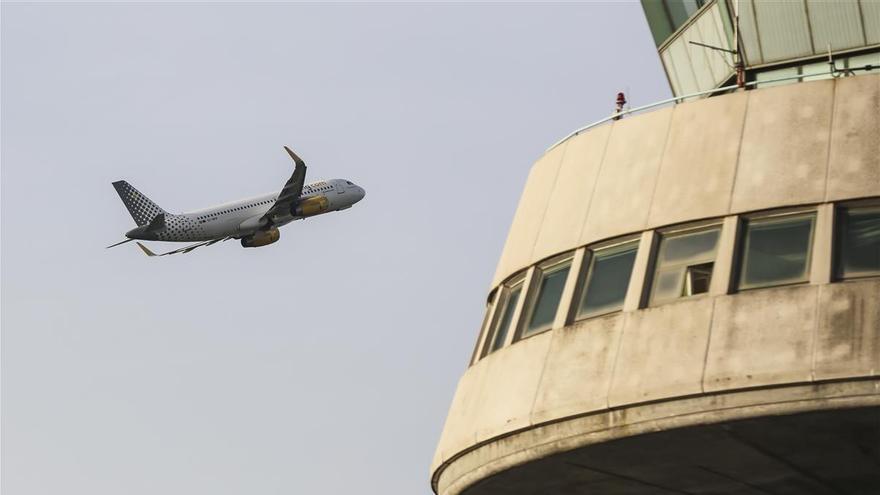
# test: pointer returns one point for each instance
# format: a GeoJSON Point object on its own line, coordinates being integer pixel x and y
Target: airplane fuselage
{"type": "Point", "coordinates": [241, 218]}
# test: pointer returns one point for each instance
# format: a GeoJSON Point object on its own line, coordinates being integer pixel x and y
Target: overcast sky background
{"type": "Point", "coordinates": [324, 363]}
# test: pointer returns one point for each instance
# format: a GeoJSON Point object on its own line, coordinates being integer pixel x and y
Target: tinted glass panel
{"type": "Point", "coordinates": [483, 329]}
{"type": "Point", "coordinates": [681, 10]}
{"type": "Point", "coordinates": [547, 300]}
{"type": "Point", "coordinates": [858, 245]}
{"type": "Point", "coordinates": [665, 16]}
{"type": "Point", "coordinates": [658, 20]}
{"type": "Point", "coordinates": [607, 280]}
{"type": "Point", "coordinates": [505, 321]}
{"type": "Point", "coordinates": [776, 252]}
{"type": "Point", "coordinates": [684, 265]}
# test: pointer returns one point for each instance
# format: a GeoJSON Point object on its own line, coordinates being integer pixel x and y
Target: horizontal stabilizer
{"type": "Point", "coordinates": [145, 250]}
{"type": "Point", "coordinates": [118, 243]}
{"type": "Point", "coordinates": [182, 250]}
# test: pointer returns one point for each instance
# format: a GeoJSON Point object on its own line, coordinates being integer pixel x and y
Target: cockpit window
{"type": "Point", "coordinates": [349, 183]}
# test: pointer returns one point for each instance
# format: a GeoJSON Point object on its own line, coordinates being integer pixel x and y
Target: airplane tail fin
{"type": "Point", "coordinates": [140, 207]}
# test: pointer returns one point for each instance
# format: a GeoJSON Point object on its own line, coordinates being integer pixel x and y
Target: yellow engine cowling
{"type": "Point", "coordinates": [311, 206]}
{"type": "Point", "coordinates": [261, 238]}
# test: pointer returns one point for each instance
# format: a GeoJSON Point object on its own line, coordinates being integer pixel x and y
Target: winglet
{"type": "Point", "coordinates": [297, 160]}
{"type": "Point", "coordinates": [145, 250]}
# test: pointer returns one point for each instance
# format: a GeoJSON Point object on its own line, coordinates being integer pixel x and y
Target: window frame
{"type": "Point", "coordinates": [587, 271]}
{"type": "Point", "coordinates": [677, 31]}
{"type": "Point", "coordinates": [654, 261]}
{"type": "Point", "coordinates": [484, 327]}
{"type": "Point", "coordinates": [502, 301]}
{"type": "Point", "coordinates": [840, 210]}
{"type": "Point", "coordinates": [549, 266]}
{"type": "Point", "coordinates": [742, 236]}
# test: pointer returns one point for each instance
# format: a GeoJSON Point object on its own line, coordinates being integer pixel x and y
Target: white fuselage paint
{"type": "Point", "coordinates": [226, 220]}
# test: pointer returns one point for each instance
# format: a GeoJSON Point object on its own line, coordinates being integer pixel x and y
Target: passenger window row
{"type": "Point", "coordinates": [218, 213]}
{"type": "Point", "coordinates": [771, 249]}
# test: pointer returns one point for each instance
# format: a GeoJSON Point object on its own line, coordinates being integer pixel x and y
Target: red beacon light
{"type": "Point", "coordinates": [621, 101]}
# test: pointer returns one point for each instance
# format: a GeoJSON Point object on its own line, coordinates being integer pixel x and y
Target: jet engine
{"type": "Point", "coordinates": [311, 206]}
{"type": "Point", "coordinates": [261, 238]}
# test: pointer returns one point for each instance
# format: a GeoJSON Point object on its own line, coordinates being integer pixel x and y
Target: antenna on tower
{"type": "Point", "coordinates": [738, 65]}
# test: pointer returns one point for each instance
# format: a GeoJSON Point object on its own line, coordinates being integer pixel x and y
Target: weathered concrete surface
{"type": "Point", "coordinates": [781, 146]}
{"type": "Point", "coordinates": [459, 431]}
{"type": "Point", "coordinates": [709, 360]}
{"type": "Point", "coordinates": [626, 180]}
{"type": "Point", "coordinates": [784, 150]}
{"type": "Point", "coordinates": [762, 337]}
{"type": "Point", "coordinates": [854, 166]}
{"type": "Point", "coordinates": [567, 209]}
{"type": "Point", "coordinates": [771, 454]}
{"type": "Point", "coordinates": [510, 384]}
{"type": "Point", "coordinates": [530, 213]}
{"type": "Point", "coordinates": [699, 164]}
{"type": "Point", "coordinates": [848, 332]}
{"type": "Point", "coordinates": [662, 352]}
{"type": "Point", "coordinates": [578, 369]}
{"type": "Point", "coordinates": [525, 451]}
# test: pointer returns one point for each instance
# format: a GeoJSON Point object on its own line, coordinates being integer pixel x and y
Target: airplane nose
{"type": "Point", "coordinates": [360, 193]}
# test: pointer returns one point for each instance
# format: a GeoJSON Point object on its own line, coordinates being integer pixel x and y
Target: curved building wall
{"type": "Point", "coordinates": [788, 145]}
{"type": "Point", "coordinates": [718, 356]}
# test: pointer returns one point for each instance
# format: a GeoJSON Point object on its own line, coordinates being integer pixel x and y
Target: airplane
{"type": "Point", "coordinates": [254, 221]}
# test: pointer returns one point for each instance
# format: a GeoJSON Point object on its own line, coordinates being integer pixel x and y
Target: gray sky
{"type": "Point", "coordinates": [324, 363]}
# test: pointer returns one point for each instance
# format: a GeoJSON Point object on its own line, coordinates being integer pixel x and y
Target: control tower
{"type": "Point", "coordinates": [688, 301]}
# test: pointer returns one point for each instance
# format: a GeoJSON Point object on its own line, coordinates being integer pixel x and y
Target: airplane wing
{"type": "Point", "coordinates": [182, 250]}
{"type": "Point", "coordinates": [290, 193]}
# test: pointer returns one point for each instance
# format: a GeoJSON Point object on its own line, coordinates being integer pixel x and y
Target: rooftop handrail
{"type": "Point", "coordinates": [617, 115]}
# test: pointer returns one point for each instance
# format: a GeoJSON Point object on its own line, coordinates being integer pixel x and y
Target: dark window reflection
{"type": "Point", "coordinates": [547, 300]}
{"type": "Point", "coordinates": [665, 16]}
{"type": "Point", "coordinates": [607, 280]}
{"type": "Point", "coordinates": [776, 251]}
{"type": "Point", "coordinates": [858, 242]}
{"type": "Point", "coordinates": [510, 298]}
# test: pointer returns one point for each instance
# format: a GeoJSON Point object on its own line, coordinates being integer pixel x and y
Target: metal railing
{"type": "Point", "coordinates": [617, 115]}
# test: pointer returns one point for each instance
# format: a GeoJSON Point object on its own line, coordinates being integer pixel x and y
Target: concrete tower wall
{"type": "Point", "coordinates": [700, 360]}
{"type": "Point", "coordinates": [788, 145]}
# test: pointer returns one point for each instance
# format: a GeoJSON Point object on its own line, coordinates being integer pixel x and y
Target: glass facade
{"type": "Point", "coordinates": [483, 328]}
{"type": "Point", "coordinates": [776, 251]}
{"type": "Point", "coordinates": [776, 39]}
{"type": "Point", "coordinates": [547, 297]}
{"type": "Point", "coordinates": [772, 250]}
{"type": "Point", "coordinates": [510, 298]}
{"type": "Point", "coordinates": [816, 71]}
{"type": "Point", "coordinates": [684, 265]}
{"type": "Point", "coordinates": [858, 242]}
{"type": "Point", "coordinates": [665, 16]}
{"type": "Point", "coordinates": [607, 280]}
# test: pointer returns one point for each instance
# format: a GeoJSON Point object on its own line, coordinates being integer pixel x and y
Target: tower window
{"type": "Point", "coordinates": [776, 251]}
{"type": "Point", "coordinates": [607, 279]}
{"type": "Point", "coordinates": [487, 316]}
{"type": "Point", "coordinates": [543, 306]}
{"type": "Point", "coordinates": [506, 307]}
{"type": "Point", "coordinates": [684, 265]}
{"type": "Point", "coordinates": [858, 242]}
